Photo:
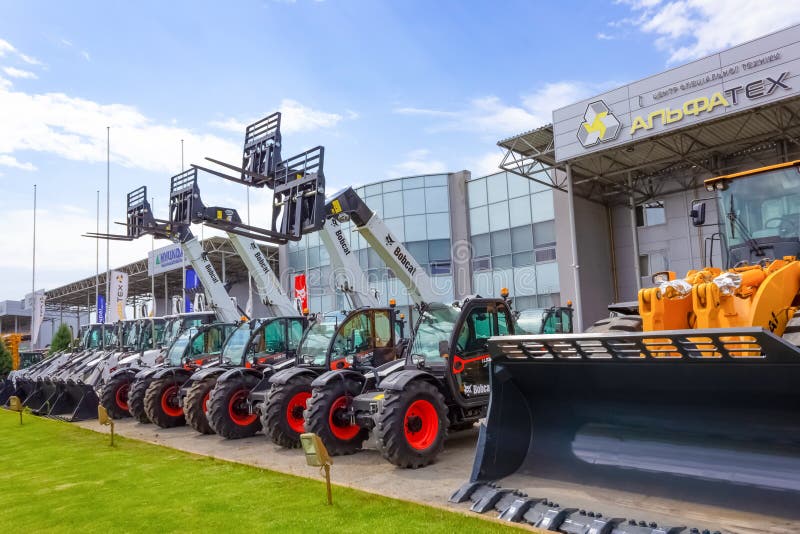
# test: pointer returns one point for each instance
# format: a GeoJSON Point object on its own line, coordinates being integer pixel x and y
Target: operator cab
{"type": "Point", "coordinates": [759, 213]}
{"type": "Point", "coordinates": [198, 344]}
{"type": "Point", "coordinates": [262, 341]}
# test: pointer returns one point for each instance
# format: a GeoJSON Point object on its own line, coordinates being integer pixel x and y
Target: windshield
{"type": "Point", "coordinates": [131, 334]}
{"type": "Point", "coordinates": [314, 345]}
{"type": "Point", "coordinates": [530, 321]}
{"type": "Point", "coordinates": [234, 349]}
{"type": "Point", "coordinates": [759, 210]}
{"type": "Point", "coordinates": [146, 337]}
{"type": "Point", "coordinates": [175, 354]}
{"type": "Point", "coordinates": [437, 325]}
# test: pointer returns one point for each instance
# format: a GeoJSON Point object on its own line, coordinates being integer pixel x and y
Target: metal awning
{"type": "Point", "coordinates": [80, 295]}
{"type": "Point", "coordinates": [674, 161]}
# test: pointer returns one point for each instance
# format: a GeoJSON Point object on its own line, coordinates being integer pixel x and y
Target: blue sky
{"type": "Point", "coordinates": [389, 88]}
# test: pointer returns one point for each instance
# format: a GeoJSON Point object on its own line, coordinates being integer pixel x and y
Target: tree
{"type": "Point", "coordinates": [5, 358]}
{"type": "Point", "coordinates": [62, 340]}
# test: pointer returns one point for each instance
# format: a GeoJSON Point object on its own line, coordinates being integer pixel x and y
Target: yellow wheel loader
{"type": "Point", "coordinates": [684, 417]}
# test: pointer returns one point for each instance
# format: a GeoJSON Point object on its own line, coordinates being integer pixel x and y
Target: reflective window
{"type": "Point", "coordinates": [373, 260]}
{"type": "Point", "coordinates": [375, 204]}
{"type": "Point", "coordinates": [416, 227]}
{"type": "Point", "coordinates": [501, 262]}
{"type": "Point", "coordinates": [413, 183]}
{"type": "Point", "coordinates": [480, 245]}
{"type": "Point", "coordinates": [476, 191]}
{"type": "Point", "coordinates": [545, 254]}
{"type": "Point", "coordinates": [397, 227]}
{"type": "Point", "coordinates": [517, 185]}
{"type": "Point", "coordinates": [544, 233]}
{"type": "Point", "coordinates": [521, 239]}
{"type": "Point", "coordinates": [313, 257]}
{"type": "Point", "coordinates": [436, 199]}
{"type": "Point", "coordinates": [374, 189]}
{"type": "Point", "coordinates": [439, 249]}
{"type": "Point", "coordinates": [501, 242]}
{"type": "Point", "coordinates": [439, 268]}
{"type": "Point", "coordinates": [392, 185]}
{"type": "Point", "coordinates": [650, 214]}
{"type": "Point", "coordinates": [481, 264]}
{"type": "Point", "coordinates": [498, 216]}
{"type": "Point", "coordinates": [393, 204]}
{"type": "Point", "coordinates": [479, 220]}
{"type": "Point", "coordinates": [496, 187]}
{"type": "Point", "coordinates": [438, 225]}
{"type": "Point", "coordinates": [295, 333]}
{"type": "Point", "coordinates": [522, 259]}
{"type": "Point", "coordinates": [436, 179]}
{"type": "Point", "coordinates": [383, 328]}
{"type": "Point", "coordinates": [414, 201]}
{"type": "Point", "coordinates": [519, 211]}
{"type": "Point", "coordinates": [542, 206]}
{"type": "Point", "coordinates": [418, 249]}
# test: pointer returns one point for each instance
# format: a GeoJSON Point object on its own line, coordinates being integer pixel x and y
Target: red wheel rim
{"type": "Point", "coordinates": [121, 396]}
{"type": "Point", "coordinates": [421, 424]}
{"type": "Point", "coordinates": [205, 401]}
{"type": "Point", "coordinates": [341, 429]}
{"type": "Point", "coordinates": [294, 411]}
{"type": "Point", "coordinates": [169, 401]}
{"type": "Point", "coordinates": [237, 410]}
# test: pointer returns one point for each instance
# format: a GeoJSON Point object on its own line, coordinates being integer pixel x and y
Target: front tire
{"type": "Point", "coordinates": [136, 395]}
{"type": "Point", "coordinates": [325, 416]}
{"type": "Point", "coordinates": [228, 411]}
{"type": "Point", "coordinates": [412, 426]}
{"type": "Point", "coordinates": [114, 397]}
{"type": "Point", "coordinates": [161, 402]}
{"type": "Point", "coordinates": [282, 413]}
{"type": "Point", "coordinates": [196, 405]}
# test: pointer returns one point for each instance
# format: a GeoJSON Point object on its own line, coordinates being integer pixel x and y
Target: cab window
{"type": "Point", "coordinates": [273, 335]}
{"type": "Point", "coordinates": [295, 333]}
{"type": "Point", "coordinates": [383, 329]}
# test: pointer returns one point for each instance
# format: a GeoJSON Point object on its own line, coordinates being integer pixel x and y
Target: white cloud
{"type": "Point", "coordinates": [75, 128]}
{"type": "Point", "coordinates": [690, 29]}
{"type": "Point", "coordinates": [489, 163]}
{"type": "Point", "coordinates": [19, 73]}
{"type": "Point", "coordinates": [295, 117]}
{"type": "Point", "coordinates": [86, 55]}
{"type": "Point", "coordinates": [11, 161]}
{"type": "Point", "coordinates": [605, 36]}
{"type": "Point", "coordinates": [490, 115]}
{"type": "Point", "coordinates": [7, 48]}
{"type": "Point", "coordinates": [418, 162]}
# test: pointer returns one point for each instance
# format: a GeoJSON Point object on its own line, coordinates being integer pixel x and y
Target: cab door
{"type": "Point", "coordinates": [469, 355]}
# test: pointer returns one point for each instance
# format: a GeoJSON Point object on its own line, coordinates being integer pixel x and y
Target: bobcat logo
{"type": "Point", "coordinates": [389, 240]}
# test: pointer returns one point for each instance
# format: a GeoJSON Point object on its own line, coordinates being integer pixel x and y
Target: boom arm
{"type": "Point", "coordinates": [349, 278]}
{"type": "Point", "coordinates": [348, 205]}
{"type": "Point", "coordinates": [267, 284]}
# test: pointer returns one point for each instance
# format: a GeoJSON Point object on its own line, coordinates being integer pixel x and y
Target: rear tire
{"type": "Point", "coordinates": [161, 402]}
{"type": "Point", "coordinates": [323, 417]}
{"type": "Point", "coordinates": [227, 412]}
{"type": "Point", "coordinates": [282, 413]}
{"type": "Point", "coordinates": [114, 397]}
{"type": "Point", "coordinates": [136, 399]}
{"type": "Point", "coordinates": [196, 405]}
{"type": "Point", "coordinates": [620, 323]}
{"type": "Point", "coordinates": [412, 426]}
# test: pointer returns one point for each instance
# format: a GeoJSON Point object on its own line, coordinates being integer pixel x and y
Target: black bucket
{"type": "Point", "coordinates": [616, 424]}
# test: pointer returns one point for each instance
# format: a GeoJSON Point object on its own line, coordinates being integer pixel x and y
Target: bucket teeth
{"type": "Point", "coordinates": [517, 508]}
{"type": "Point", "coordinates": [547, 516]}
{"type": "Point", "coordinates": [464, 493]}
{"type": "Point", "coordinates": [489, 499]}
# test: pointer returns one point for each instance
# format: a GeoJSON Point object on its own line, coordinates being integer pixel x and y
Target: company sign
{"type": "Point", "coordinates": [118, 296]}
{"type": "Point", "coordinates": [743, 77]}
{"type": "Point", "coordinates": [165, 259]}
{"type": "Point", "coordinates": [301, 291]}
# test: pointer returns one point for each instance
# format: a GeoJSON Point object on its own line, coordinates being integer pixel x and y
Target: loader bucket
{"type": "Point", "coordinates": [41, 393]}
{"type": "Point", "coordinates": [75, 402]}
{"type": "Point", "coordinates": [698, 428]}
{"type": "Point", "coordinates": [6, 390]}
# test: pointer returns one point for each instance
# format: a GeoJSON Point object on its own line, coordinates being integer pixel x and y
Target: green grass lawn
{"type": "Point", "coordinates": [58, 477]}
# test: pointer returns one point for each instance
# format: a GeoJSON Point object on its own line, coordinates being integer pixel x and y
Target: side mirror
{"type": "Point", "coordinates": [698, 213]}
{"type": "Point", "coordinates": [444, 349]}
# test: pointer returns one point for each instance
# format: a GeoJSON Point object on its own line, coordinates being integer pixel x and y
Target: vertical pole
{"type": "Point", "coordinates": [635, 235]}
{"type": "Point", "coordinates": [153, 276]}
{"type": "Point", "coordinates": [328, 482]}
{"type": "Point", "coordinates": [249, 278]}
{"type": "Point", "coordinates": [166, 294]}
{"type": "Point", "coordinates": [97, 264]}
{"type": "Point", "coordinates": [108, 212]}
{"type": "Point", "coordinates": [573, 234]}
{"type": "Point", "coordinates": [33, 269]}
{"type": "Point", "coordinates": [183, 264]}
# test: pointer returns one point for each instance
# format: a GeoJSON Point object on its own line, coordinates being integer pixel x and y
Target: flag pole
{"type": "Point", "coordinates": [183, 262]}
{"type": "Point", "coordinates": [33, 270]}
{"type": "Point", "coordinates": [108, 212]}
{"type": "Point", "coordinates": [97, 266]}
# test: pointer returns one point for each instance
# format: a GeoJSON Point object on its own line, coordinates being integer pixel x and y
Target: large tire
{"type": "Point", "coordinates": [412, 426]}
{"type": "Point", "coordinates": [195, 405]}
{"type": "Point", "coordinates": [619, 323]}
{"type": "Point", "coordinates": [161, 402]}
{"type": "Point", "coordinates": [227, 409]}
{"type": "Point", "coordinates": [323, 417]}
{"type": "Point", "coordinates": [282, 413]}
{"type": "Point", "coordinates": [136, 395]}
{"type": "Point", "coordinates": [114, 397]}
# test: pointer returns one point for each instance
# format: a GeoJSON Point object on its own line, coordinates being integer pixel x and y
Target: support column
{"type": "Point", "coordinates": [634, 235]}
{"type": "Point", "coordinates": [576, 274]}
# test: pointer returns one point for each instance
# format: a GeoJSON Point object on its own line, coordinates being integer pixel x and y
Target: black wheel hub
{"type": "Point", "coordinates": [297, 412]}
{"type": "Point", "coordinates": [414, 424]}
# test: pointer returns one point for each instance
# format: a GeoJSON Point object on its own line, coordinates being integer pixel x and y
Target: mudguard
{"type": "Point", "coordinates": [338, 374]}
{"type": "Point", "coordinates": [238, 372]}
{"type": "Point", "coordinates": [283, 376]}
{"type": "Point", "coordinates": [147, 373]}
{"type": "Point", "coordinates": [172, 371]}
{"type": "Point", "coordinates": [208, 372]}
{"type": "Point", "coordinates": [133, 371]}
{"type": "Point", "coordinates": [399, 380]}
